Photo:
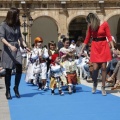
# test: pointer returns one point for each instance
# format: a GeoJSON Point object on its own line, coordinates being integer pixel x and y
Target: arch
{"type": "Point", "coordinates": [37, 14]}
{"type": "Point", "coordinates": [118, 31]}
{"type": "Point", "coordinates": [111, 13]}
{"type": "Point", "coordinates": [77, 27]}
{"type": "Point", "coordinates": [114, 23]}
{"type": "Point", "coordinates": [70, 20]}
{"type": "Point", "coordinates": [45, 27]}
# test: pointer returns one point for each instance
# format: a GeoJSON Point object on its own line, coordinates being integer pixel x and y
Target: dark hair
{"type": "Point", "coordinates": [65, 39]}
{"type": "Point", "coordinates": [62, 36]}
{"type": "Point", "coordinates": [51, 43]}
{"type": "Point", "coordinates": [33, 45]}
{"type": "Point", "coordinates": [45, 46]}
{"type": "Point", "coordinates": [12, 18]}
{"type": "Point", "coordinates": [80, 38]}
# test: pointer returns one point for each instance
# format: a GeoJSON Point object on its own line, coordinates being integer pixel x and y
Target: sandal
{"type": "Point", "coordinates": [116, 86]}
{"type": "Point", "coordinates": [110, 80]}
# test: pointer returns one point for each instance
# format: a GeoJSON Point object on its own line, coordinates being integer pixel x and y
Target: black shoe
{"type": "Point", "coordinates": [16, 92]}
{"type": "Point", "coordinates": [60, 92]}
{"type": "Point", "coordinates": [66, 89]}
{"type": "Point", "coordinates": [52, 92]}
{"type": "Point", "coordinates": [40, 86]}
{"type": "Point", "coordinates": [85, 78]}
{"type": "Point", "coordinates": [32, 82]}
{"type": "Point", "coordinates": [8, 95]}
{"type": "Point", "coordinates": [74, 89]}
{"type": "Point", "coordinates": [69, 93]}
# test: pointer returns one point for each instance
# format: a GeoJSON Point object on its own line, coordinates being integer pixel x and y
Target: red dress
{"type": "Point", "coordinates": [100, 50]}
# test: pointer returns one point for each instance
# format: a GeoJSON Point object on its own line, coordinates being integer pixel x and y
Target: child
{"type": "Point", "coordinates": [55, 72]}
{"type": "Point", "coordinates": [37, 70]}
{"type": "Point", "coordinates": [43, 55]}
{"type": "Point", "coordinates": [51, 51]}
{"type": "Point", "coordinates": [70, 66]}
{"type": "Point", "coordinates": [32, 56]}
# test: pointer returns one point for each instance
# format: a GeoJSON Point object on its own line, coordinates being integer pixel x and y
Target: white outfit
{"type": "Point", "coordinates": [43, 74]}
{"type": "Point", "coordinates": [55, 70]}
{"type": "Point", "coordinates": [81, 62]}
{"type": "Point", "coordinates": [31, 59]}
{"type": "Point", "coordinates": [73, 46]}
{"type": "Point", "coordinates": [24, 52]}
{"type": "Point", "coordinates": [45, 53]}
{"type": "Point", "coordinates": [65, 50]}
{"type": "Point", "coordinates": [78, 49]}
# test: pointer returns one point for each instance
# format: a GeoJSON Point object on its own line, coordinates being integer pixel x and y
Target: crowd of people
{"type": "Point", "coordinates": [65, 67]}
{"type": "Point", "coordinates": [64, 64]}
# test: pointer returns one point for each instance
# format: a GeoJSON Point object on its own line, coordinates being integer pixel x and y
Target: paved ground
{"type": "Point", "coordinates": [4, 108]}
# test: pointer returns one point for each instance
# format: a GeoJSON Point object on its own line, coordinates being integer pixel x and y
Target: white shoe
{"type": "Point", "coordinates": [94, 90]}
{"type": "Point", "coordinates": [103, 91]}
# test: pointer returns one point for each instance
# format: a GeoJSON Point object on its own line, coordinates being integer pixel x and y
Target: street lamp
{"type": "Point", "coordinates": [30, 24]}
{"type": "Point", "coordinates": [25, 25]}
{"type": "Point", "coordinates": [30, 21]}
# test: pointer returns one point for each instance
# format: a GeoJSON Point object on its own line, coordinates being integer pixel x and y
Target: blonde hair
{"type": "Point", "coordinates": [94, 21]}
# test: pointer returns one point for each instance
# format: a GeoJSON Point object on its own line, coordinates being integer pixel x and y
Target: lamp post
{"type": "Point", "coordinates": [30, 21]}
{"type": "Point", "coordinates": [30, 24]}
{"type": "Point", "coordinates": [25, 25]}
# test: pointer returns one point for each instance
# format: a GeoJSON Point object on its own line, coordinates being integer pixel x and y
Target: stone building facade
{"type": "Point", "coordinates": [52, 18]}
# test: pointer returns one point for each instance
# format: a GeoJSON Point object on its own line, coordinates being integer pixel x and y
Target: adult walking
{"type": "Point", "coordinates": [11, 57]}
{"type": "Point", "coordinates": [100, 49]}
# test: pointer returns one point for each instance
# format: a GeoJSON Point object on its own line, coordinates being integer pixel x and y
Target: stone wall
{"type": "Point", "coordinates": [63, 14]}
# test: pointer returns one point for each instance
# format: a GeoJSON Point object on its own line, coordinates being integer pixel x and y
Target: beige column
{"type": "Point", "coordinates": [63, 23]}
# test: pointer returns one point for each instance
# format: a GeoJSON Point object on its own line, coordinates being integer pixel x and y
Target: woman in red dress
{"type": "Point", "coordinates": [100, 50]}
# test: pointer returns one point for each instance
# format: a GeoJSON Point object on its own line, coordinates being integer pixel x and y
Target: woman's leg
{"type": "Point", "coordinates": [116, 74]}
{"type": "Point", "coordinates": [103, 68]}
{"type": "Point", "coordinates": [94, 76]}
{"type": "Point", "coordinates": [8, 83]}
{"type": "Point", "coordinates": [104, 73]}
{"type": "Point", "coordinates": [117, 68]}
{"type": "Point", "coordinates": [112, 78]}
{"type": "Point", "coordinates": [17, 79]}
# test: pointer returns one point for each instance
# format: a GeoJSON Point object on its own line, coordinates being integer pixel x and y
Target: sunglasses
{"type": "Point", "coordinates": [52, 45]}
{"type": "Point", "coordinates": [40, 41]}
{"type": "Point", "coordinates": [67, 42]}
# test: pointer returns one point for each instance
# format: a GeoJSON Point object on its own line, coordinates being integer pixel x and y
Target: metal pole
{"type": "Point", "coordinates": [25, 38]}
{"type": "Point", "coordinates": [25, 31]}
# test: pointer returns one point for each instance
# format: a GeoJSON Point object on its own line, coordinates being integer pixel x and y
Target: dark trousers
{"type": "Point", "coordinates": [17, 76]}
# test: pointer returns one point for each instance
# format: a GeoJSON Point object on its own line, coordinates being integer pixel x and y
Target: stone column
{"type": "Point", "coordinates": [63, 23]}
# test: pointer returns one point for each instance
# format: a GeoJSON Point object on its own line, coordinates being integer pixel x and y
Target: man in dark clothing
{"type": "Point", "coordinates": [60, 43]}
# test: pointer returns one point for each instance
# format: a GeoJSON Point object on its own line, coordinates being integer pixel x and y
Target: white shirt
{"type": "Point", "coordinates": [73, 46]}
{"type": "Point", "coordinates": [78, 49]}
